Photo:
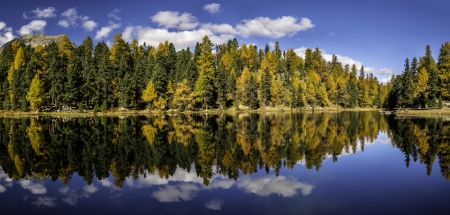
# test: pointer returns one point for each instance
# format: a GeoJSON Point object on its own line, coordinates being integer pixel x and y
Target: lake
{"type": "Point", "coordinates": [268, 163]}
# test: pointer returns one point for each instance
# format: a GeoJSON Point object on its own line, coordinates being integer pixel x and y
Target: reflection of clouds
{"type": "Point", "coordinates": [223, 183]}
{"type": "Point", "coordinates": [214, 204]}
{"type": "Point", "coordinates": [90, 189]}
{"type": "Point", "coordinates": [264, 186]}
{"type": "Point", "coordinates": [105, 182]}
{"type": "Point", "coordinates": [170, 193]}
{"type": "Point", "coordinates": [384, 140]}
{"type": "Point", "coordinates": [180, 175]}
{"type": "Point", "coordinates": [71, 196]}
{"type": "Point", "coordinates": [34, 188]}
{"type": "Point", "coordinates": [5, 181]}
{"type": "Point", "coordinates": [45, 201]}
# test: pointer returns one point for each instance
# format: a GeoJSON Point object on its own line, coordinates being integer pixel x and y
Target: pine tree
{"type": "Point", "coordinates": [252, 88]}
{"type": "Point", "coordinates": [444, 70]}
{"type": "Point", "coordinates": [266, 81]}
{"type": "Point", "coordinates": [206, 65]}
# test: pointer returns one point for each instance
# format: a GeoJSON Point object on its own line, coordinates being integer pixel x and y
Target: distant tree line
{"type": "Point", "coordinates": [131, 75]}
{"type": "Point", "coordinates": [423, 83]}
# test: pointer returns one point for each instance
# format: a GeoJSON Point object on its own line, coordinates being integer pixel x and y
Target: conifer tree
{"type": "Point", "coordinates": [36, 94]}
{"type": "Point", "coordinates": [266, 82]}
{"type": "Point", "coordinates": [444, 70]}
{"type": "Point", "coordinates": [253, 93]}
{"type": "Point", "coordinates": [206, 65]}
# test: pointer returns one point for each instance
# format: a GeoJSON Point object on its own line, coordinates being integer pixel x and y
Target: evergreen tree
{"type": "Point", "coordinates": [443, 66]}
{"type": "Point", "coordinates": [36, 93]}
{"type": "Point", "coordinates": [206, 65]}
{"type": "Point", "coordinates": [266, 87]}
{"type": "Point", "coordinates": [253, 93]}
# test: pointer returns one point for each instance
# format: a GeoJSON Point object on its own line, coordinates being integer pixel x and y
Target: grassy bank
{"type": "Point", "coordinates": [117, 113]}
{"type": "Point", "coordinates": [424, 113]}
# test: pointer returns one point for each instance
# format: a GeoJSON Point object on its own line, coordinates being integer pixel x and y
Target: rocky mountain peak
{"type": "Point", "coordinates": [36, 39]}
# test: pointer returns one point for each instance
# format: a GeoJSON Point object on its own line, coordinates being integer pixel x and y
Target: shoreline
{"type": "Point", "coordinates": [117, 113]}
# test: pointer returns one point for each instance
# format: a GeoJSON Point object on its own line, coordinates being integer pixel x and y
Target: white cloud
{"type": "Point", "coordinates": [70, 18]}
{"type": "Point", "coordinates": [283, 186]}
{"type": "Point", "coordinates": [2, 188]}
{"type": "Point", "coordinates": [274, 28]}
{"type": "Point", "coordinates": [384, 71]}
{"type": "Point", "coordinates": [183, 192]}
{"type": "Point", "coordinates": [212, 8]}
{"type": "Point", "coordinates": [34, 188]}
{"type": "Point", "coordinates": [220, 28]}
{"type": "Point", "coordinates": [45, 201]}
{"type": "Point", "coordinates": [89, 25]}
{"type": "Point", "coordinates": [6, 34]}
{"type": "Point", "coordinates": [33, 26]}
{"type": "Point", "coordinates": [105, 31]}
{"type": "Point", "coordinates": [180, 39]}
{"type": "Point", "coordinates": [173, 19]}
{"type": "Point", "coordinates": [113, 14]}
{"type": "Point", "coordinates": [106, 183]}
{"type": "Point", "coordinates": [40, 13]}
{"type": "Point", "coordinates": [332, 34]}
{"type": "Point", "coordinates": [214, 205]}
{"type": "Point", "coordinates": [385, 80]}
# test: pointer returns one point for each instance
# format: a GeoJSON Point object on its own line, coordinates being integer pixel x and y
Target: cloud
{"type": "Point", "coordinates": [34, 188]}
{"type": "Point", "coordinates": [105, 31]}
{"type": "Point", "coordinates": [180, 39]}
{"type": "Point", "coordinates": [385, 80]}
{"type": "Point", "coordinates": [113, 14]}
{"type": "Point", "coordinates": [70, 18]}
{"type": "Point", "coordinates": [105, 182]}
{"type": "Point", "coordinates": [2, 188]}
{"type": "Point", "coordinates": [283, 186]}
{"type": "Point", "coordinates": [6, 34]}
{"type": "Point", "coordinates": [40, 13]}
{"type": "Point", "coordinates": [45, 201]}
{"type": "Point", "coordinates": [33, 26]}
{"type": "Point", "coordinates": [384, 71]}
{"type": "Point", "coordinates": [183, 192]}
{"type": "Point", "coordinates": [214, 205]}
{"type": "Point", "coordinates": [332, 34]}
{"type": "Point", "coordinates": [89, 25]}
{"type": "Point", "coordinates": [173, 19]}
{"type": "Point", "coordinates": [220, 28]}
{"type": "Point", "coordinates": [274, 28]}
{"type": "Point", "coordinates": [212, 8]}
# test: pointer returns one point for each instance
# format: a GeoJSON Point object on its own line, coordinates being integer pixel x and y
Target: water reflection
{"type": "Point", "coordinates": [153, 151]}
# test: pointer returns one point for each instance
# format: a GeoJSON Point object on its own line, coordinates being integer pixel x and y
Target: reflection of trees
{"type": "Point", "coordinates": [229, 145]}
{"type": "Point", "coordinates": [423, 139]}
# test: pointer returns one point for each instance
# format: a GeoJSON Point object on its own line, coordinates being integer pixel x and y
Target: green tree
{"type": "Point", "coordinates": [443, 66]}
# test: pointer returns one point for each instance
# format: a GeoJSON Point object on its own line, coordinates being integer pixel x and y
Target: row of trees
{"type": "Point", "coordinates": [213, 76]}
{"type": "Point", "coordinates": [423, 83]}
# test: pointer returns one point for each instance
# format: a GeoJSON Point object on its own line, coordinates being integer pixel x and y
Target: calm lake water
{"type": "Point", "coordinates": [322, 163]}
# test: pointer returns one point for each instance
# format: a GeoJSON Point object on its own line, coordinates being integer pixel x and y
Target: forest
{"type": "Point", "coordinates": [137, 76]}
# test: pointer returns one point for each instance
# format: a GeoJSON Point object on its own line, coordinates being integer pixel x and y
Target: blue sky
{"type": "Point", "coordinates": [379, 34]}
